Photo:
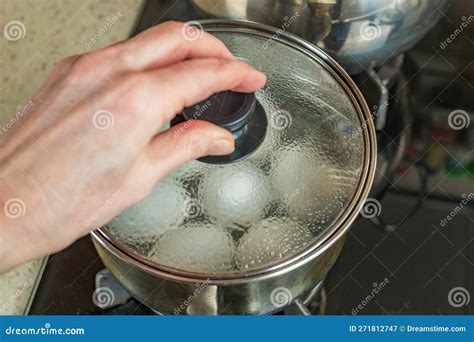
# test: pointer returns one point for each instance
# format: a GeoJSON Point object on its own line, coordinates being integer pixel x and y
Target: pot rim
{"type": "Point", "coordinates": [344, 219]}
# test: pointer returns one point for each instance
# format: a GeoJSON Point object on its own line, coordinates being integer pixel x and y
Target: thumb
{"type": "Point", "coordinates": [188, 141]}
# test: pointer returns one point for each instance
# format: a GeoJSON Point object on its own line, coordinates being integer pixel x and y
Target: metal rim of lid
{"type": "Point", "coordinates": [342, 222]}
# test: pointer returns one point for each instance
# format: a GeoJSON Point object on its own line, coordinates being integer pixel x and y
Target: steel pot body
{"type": "Point", "coordinates": [173, 295]}
{"type": "Point", "coordinates": [356, 33]}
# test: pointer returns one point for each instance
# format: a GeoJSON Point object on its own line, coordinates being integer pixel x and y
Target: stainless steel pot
{"type": "Point", "coordinates": [356, 33]}
{"type": "Point", "coordinates": [172, 294]}
{"type": "Point", "coordinates": [266, 286]}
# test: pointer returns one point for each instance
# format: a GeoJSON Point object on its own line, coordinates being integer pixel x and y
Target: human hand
{"type": "Point", "coordinates": [87, 145]}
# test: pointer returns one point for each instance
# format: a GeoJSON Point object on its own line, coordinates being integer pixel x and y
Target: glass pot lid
{"type": "Point", "coordinates": [304, 178]}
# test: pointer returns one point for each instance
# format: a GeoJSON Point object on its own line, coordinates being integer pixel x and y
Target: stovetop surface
{"type": "Point", "coordinates": [421, 259]}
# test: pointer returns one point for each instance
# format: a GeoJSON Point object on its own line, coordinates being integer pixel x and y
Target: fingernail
{"type": "Point", "coordinates": [221, 147]}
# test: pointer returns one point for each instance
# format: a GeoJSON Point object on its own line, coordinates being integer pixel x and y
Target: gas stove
{"type": "Point", "coordinates": [406, 271]}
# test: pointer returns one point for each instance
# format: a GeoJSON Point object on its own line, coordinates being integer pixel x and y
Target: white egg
{"type": "Point", "coordinates": [144, 222]}
{"type": "Point", "coordinates": [269, 241]}
{"type": "Point", "coordinates": [235, 194]}
{"type": "Point", "coordinates": [304, 183]}
{"type": "Point", "coordinates": [195, 248]}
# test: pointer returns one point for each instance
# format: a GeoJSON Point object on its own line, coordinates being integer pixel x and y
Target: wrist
{"type": "Point", "coordinates": [17, 244]}
{"type": "Point", "coordinates": [9, 249]}
{"type": "Point", "coordinates": [16, 237]}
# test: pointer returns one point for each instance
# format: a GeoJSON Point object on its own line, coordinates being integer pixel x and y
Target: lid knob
{"type": "Point", "coordinates": [226, 109]}
{"type": "Point", "coordinates": [240, 113]}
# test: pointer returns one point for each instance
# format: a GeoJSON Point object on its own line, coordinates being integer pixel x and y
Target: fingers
{"type": "Point", "coordinates": [59, 69]}
{"type": "Point", "coordinates": [185, 142]}
{"type": "Point", "coordinates": [159, 95]}
{"type": "Point", "coordinates": [166, 44]}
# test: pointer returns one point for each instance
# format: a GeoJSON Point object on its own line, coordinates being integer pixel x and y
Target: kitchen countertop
{"type": "Point", "coordinates": [36, 34]}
